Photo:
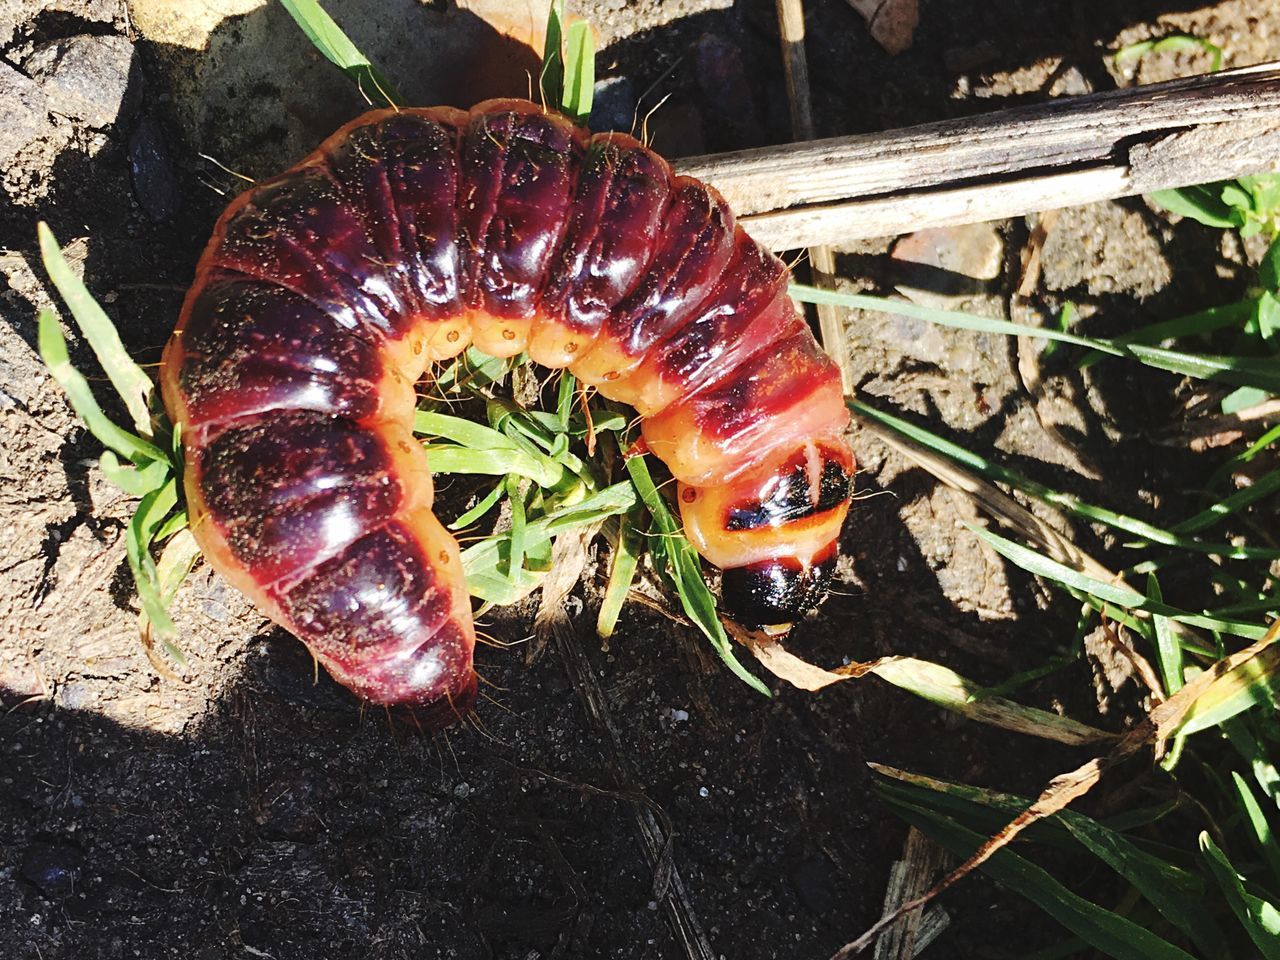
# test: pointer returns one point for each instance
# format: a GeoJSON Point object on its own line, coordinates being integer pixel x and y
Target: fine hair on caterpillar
{"type": "Point", "coordinates": [327, 293]}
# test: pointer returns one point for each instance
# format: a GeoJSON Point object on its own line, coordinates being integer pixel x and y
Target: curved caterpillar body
{"type": "Point", "coordinates": [408, 235]}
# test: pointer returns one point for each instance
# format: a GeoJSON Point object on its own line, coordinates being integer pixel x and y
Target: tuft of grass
{"type": "Point", "coordinates": [1221, 746]}
{"type": "Point", "coordinates": [568, 75]}
{"type": "Point", "coordinates": [141, 462]}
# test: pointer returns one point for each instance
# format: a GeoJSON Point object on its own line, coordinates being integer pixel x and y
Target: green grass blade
{"type": "Point", "coordinates": [1168, 653]}
{"type": "Point", "coordinates": [685, 567]}
{"type": "Point", "coordinates": [945, 318]}
{"type": "Point", "coordinates": [53, 351]}
{"type": "Point", "coordinates": [448, 458]}
{"type": "Point", "coordinates": [566, 390]}
{"type": "Point", "coordinates": [486, 503]}
{"type": "Point", "coordinates": [1042, 566]}
{"type": "Point", "coordinates": [514, 559]}
{"type": "Point", "coordinates": [579, 72]}
{"type": "Point", "coordinates": [467, 433]}
{"type": "Point", "coordinates": [1175, 43]}
{"type": "Point", "coordinates": [1242, 398]}
{"type": "Point", "coordinates": [1241, 736]}
{"type": "Point", "coordinates": [1192, 324]}
{"type": "Point", "coordinates": [622, 571]}
{"type": "Point", "coordinates": [1269, 268]}
{"type": "Point", "coordinates": [1108, 932]}
{"type": "Point", "coordinates": [152, 510]}
{"type": "Point", "coordinates": [175, 563]}
{"type": "Point", "coordinates": [1260, 918]}
{"type": "Point", "coordinates": [131, 382]}
{"type": "Point", "coordinates": [1259, 828]}
{"type": "Point", "coordinates": [1264, 486]}
{"type": "Point", "coordinates": [1202, 203]}
{"type": "Point", "coordinates": [177, 522]}
{"type": "Point", "coordinates": [1260, 372]}
{"type": "Point", "coordinates": [1239, 371]}
{"type": "Point", "coordinates": [137, 482]}
{"type": "Point", "coordinates": [551, 77]}
{"type": "Point", "coordinates": [1095, 514]}
{"type": "Point", "coordinates": [485, 557]}
{"type": "Point", "coordinates": [336, 47]}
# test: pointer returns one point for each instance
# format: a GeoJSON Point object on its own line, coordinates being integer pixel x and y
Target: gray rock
{"type": "Point", "coordinates": [24, 113]}
{"type": "Point", "coordinates": [90, 79]}
{"type": "Point", "coordinates": [154, 183]}
{"type": "Point", "coordinates": [16, 14]}
{"type": "Point", "coordinates": [945, 266]}
{"type": "Point", "coordinates": [613, 105]}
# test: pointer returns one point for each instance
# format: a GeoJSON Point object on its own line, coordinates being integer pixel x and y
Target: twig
{"type": "Point", "coordinates": [1070, 151]}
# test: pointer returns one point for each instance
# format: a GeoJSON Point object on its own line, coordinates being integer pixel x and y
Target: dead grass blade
{"type": "Point", "coordinates": [930, 681]}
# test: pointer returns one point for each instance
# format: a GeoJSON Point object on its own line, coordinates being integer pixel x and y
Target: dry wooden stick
{"type": "Point", "coordinates": [822, 259]}
{"type": "Point", "coordinates": [1065, 152]}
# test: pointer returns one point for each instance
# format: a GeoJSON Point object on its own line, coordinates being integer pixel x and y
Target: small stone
{"type": "Point", "coordinates": [726, 94]}
{"type": "Point", "coordinates": [154, 183]}
{"type": "Point", "coordinates": [613, 105]}
{"type": "Point", "coordinates": [947, 265]}
{"type": "Point", "coordinates": [814, 885]}
{"type": "Point", "coordinates": [1071, 83]}
{"type": "Point", "coordinates": [90, 79]}
{"type": "Point", "coordinates": [23, 113]}
{"type": "Point", "coordinates": [53, 867]}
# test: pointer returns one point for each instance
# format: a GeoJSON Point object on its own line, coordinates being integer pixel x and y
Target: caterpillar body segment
{"type": "Point", "coordinates": [409, 235]}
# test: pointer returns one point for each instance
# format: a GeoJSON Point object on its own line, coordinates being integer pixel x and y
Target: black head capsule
{"type": "Point", "coordinates": [773, 594]}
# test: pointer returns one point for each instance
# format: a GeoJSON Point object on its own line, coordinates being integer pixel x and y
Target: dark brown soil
{"type": "Point", "coordinates": [250, 812]}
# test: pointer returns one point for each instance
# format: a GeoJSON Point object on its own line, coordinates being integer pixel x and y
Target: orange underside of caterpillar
{"type": "Point", "coordinates": [327, 292]}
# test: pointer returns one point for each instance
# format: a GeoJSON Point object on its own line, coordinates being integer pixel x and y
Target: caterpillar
{"type": "Point", "coordinates": [326, 292]}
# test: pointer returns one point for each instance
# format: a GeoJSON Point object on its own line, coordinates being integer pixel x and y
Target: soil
{"type": "Point", "coordinates": [251, 811]}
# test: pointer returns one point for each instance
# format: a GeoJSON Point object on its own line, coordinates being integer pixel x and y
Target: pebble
{"type": "Point", "coordinates": [53, 867]}
{"type": "Point", "coordinates": [814, 884]}
{"type": "Point", "coordinates": [945, 266]}
{"type": "Point", "coordinates": [613, 105]}
{"type": "Point", "coordinates": [154, 184]}
{"type": "Point", "coordinates": [726, 94]}
{"type": "Point", "coordinates": [90, 79]}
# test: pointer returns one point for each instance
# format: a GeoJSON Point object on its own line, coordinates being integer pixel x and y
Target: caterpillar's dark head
{"type": "Point", "coordinates": [774, 594]}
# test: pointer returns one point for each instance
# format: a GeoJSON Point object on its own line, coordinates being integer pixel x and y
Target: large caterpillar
{"type": "Point", "coordinates": [325, 292]}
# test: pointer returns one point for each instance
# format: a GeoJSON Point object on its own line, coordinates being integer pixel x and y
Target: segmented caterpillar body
{"type": "Point", "coordinates": [409, 235]}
